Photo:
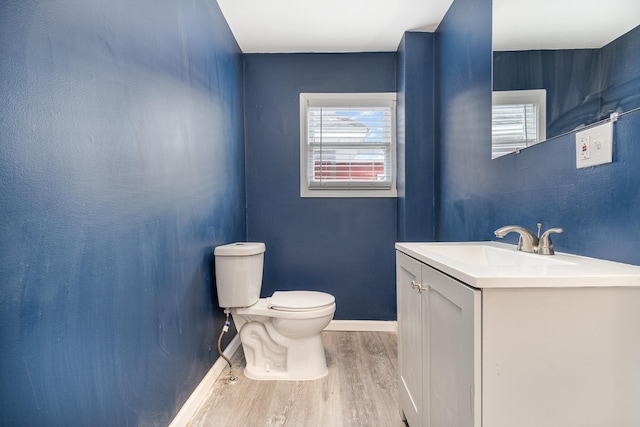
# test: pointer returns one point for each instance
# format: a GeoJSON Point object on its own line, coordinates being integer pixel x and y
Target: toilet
{"type": "Point", "coordinates": [280, 334]}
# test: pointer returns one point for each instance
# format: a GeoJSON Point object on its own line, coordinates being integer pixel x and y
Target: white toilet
{"type": "Point", "coordinates": [280, 334]}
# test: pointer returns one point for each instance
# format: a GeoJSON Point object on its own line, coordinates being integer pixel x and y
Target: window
{"type": "Point", "coordinates": [347, 145]}
{"type": "Point", "coordinates": [518, 120]}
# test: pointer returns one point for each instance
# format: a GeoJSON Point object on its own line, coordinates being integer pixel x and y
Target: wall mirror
{"type": "Point", "coordinates": [561, 65]}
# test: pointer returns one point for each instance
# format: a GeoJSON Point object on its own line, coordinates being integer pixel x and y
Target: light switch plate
{"type": "Point", "coordinates": [594, 146]}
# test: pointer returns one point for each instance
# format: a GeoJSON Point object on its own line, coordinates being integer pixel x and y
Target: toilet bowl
{"type": "Point", "coordinates": [281, 334]}
{"type": "Point", "coordinates": [285, 343]}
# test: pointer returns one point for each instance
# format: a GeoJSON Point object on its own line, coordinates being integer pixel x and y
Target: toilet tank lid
{"type": "Point", "coordinates": [240, 249]}
{"type": "Point", "coordinates": [299, 300]}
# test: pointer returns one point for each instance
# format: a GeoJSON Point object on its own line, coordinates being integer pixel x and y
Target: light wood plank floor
{"type": "Point", "coordinates": [360, 390]}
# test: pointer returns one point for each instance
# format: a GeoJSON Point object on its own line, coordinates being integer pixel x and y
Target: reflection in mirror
{"type": "Point", "coordinates": [518, 120]}
{"type": "Point", "coordinates": [586, 60]}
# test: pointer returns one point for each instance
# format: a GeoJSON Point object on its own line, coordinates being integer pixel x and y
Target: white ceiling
{"type": "Point", "coordinates": [328, 25]}
{"type": "Point", "coordinates": [284, 26]}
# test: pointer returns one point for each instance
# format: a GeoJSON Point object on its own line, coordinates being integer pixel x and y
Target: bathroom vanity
{"type": "Point", "coordinates": [489, 336]}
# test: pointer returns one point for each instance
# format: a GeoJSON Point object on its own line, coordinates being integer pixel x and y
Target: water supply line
{"type": "Point", "coordinates": [231, 379]}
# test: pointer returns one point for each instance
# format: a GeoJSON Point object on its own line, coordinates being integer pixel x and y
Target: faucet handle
{"type": "Point", "coordinates": [546, 245]}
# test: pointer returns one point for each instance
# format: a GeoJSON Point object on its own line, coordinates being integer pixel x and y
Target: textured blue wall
{"type": "Point", "coordinates": [416, 137]}
{"type": "Point", "coordinates": [463, 128]}
{"type": "Point", "coordinates": [342, 246]}
{"type": "Point", "coordinates": [121, 166]}
{"type": "Point", "coordinates": [598, 207]}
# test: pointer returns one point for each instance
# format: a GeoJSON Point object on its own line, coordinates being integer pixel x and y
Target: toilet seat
{"type": "Point", "coordinates": [298, 301]}
{"type": "Point", "coordinates": [264, 307]}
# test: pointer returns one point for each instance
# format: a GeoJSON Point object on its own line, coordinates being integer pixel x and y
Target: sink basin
{"type": "Point", "coordinates": [487, 256]}
{"type": "Point", "coordinates": [500, 265]}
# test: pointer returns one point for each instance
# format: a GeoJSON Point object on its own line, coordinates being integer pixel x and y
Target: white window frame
{"type": "Point", "coordinates": [382, 99]}
{"type": "Point", "coordinates": [537, 97]}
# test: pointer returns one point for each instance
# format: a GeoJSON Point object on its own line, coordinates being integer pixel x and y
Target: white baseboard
{"type": "Point", "coordinates": [363, 325]}
{"type": "Point", "coordinates": [201, 392]}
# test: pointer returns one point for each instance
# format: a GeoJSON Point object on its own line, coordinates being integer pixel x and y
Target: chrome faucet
{"type": "Point", "coordinates": [528, 241]}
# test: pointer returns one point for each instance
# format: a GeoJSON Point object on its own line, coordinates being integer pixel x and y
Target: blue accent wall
{"type": "Point", "coordinates": [342, 246]}
{"type": "Point", "coordinates": [598, 207]}
{"type": "Point", "coordinates": [463, 128]}
{"type": "Point", "coordinates": [416, 137]}
{"type": "Point", "coordinates": [121, 167]}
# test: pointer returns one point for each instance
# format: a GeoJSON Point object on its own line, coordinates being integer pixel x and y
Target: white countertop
{"type": "Point", "coordinates": [470, 265]}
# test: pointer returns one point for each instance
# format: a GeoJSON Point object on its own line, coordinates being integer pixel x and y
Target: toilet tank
{"type": "Point", "coordinates": [239, 273]}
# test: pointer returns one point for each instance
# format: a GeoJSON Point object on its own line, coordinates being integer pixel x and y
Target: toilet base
{"type": "Point", "coordinates": [261, 374]}
{"type": "Point", "coordinates": [301, 359]}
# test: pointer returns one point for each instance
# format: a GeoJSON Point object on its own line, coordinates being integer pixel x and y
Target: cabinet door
{"type": "Point", "coordinates": [454, 362]}
{"type": "Point", "coordinates": [410, 332]}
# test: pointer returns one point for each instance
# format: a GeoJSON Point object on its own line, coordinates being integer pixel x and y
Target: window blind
{"type": "Point", "coordinates": [514, 126]}
{"type": "Point", "coordinates": [517, 120]}
{"type": "Point", "coordinates": [349, 147]}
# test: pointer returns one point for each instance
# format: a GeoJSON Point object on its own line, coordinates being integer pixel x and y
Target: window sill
{"type": "Point", "coordinates": [307, 193]}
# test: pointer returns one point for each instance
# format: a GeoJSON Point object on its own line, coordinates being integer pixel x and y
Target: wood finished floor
{"type": "Point", "coordinates": [360, 390]}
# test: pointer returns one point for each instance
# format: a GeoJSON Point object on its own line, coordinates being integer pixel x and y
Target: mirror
{"type": "Point", "coordinates": [582, 58]}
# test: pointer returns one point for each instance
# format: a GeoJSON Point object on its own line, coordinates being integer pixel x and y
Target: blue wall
{"type": "Point", "coordinates": [463, 128]}
{"type": "Point", "coordinates": [416, 137]}
{"type": "Point", "coordinates": [598, 207]}
{"type": "Point", "coordinates": [121, 167]}
{"type": "Point", "coordinates": [341, 246]}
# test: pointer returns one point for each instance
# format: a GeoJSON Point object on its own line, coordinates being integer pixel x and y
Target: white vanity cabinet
{"type": "Point", "coordinates": [497, 348]}
{"type": "Point", "coordinates": [438, 347]}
